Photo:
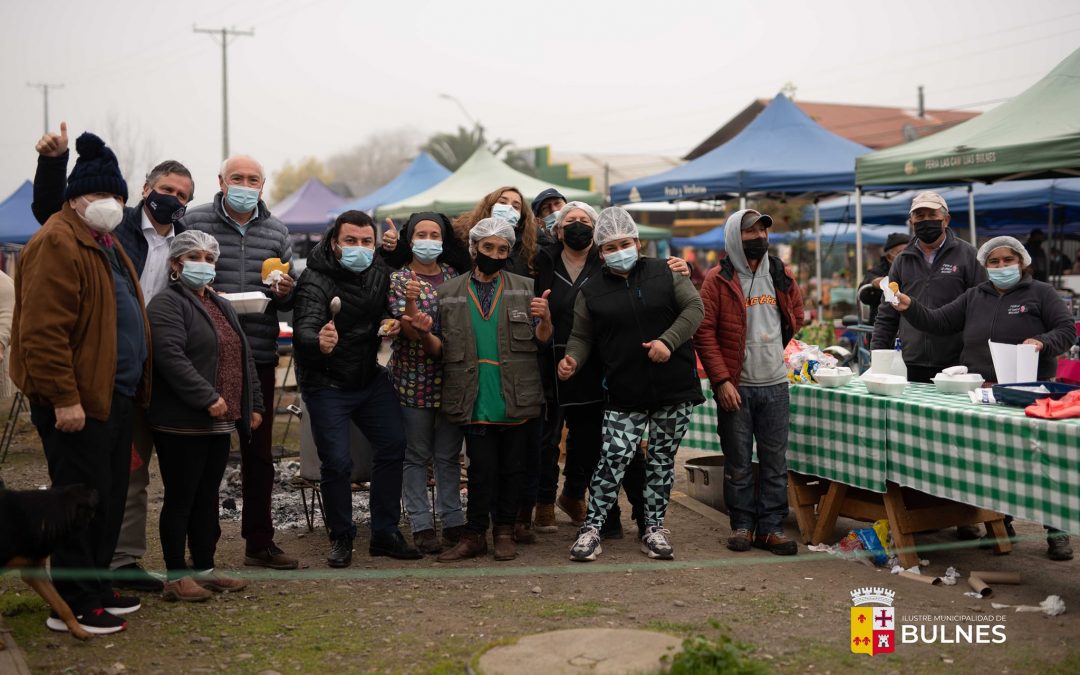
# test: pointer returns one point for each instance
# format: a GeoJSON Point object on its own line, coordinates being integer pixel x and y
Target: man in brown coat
{"type": "Point", "coordinates": [80, 352]}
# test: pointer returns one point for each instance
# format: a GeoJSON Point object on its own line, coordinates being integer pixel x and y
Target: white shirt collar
{"type": "Point", "coordinates": [149, 226]}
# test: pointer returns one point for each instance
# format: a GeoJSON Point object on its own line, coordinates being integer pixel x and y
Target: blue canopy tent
{"type": "Point", "coordinates": [1000, 208]}
{"type": "Point", "coordinates": [836, 233]}
{"type": "Point", "coordinates": [782, 151]}
{"type": "Point", "coordinates": [17, 222]}
{"type": "Point", "coordinates": [424, 172]}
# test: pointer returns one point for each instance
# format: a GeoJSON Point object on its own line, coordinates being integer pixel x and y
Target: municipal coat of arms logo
{"type": "Point", "coordinates": [873, 621]}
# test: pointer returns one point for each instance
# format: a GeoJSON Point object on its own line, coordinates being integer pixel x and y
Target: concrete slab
{"type": "Point", "coordinates": [582, 650]}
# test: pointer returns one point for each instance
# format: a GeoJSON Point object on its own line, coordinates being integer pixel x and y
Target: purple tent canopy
{"type": "Point", "coordinates": [305, 211]}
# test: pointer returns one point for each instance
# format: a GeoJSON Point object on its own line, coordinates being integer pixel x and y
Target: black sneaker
{"type": "Point", "coordinates": [392, 545]}
{"type": "Point", "coordinates": [134, 578]}
{"type": "Point", "coordinates": [271, 557]}
{"type": "Point", "coordinates": [340, 552]}
{"type": "Point", "coordinates": [96, 622]}
{"type": "Point", "coordinates": [118, 605]}
{"type": "Point", "coordinates": [587, 547]}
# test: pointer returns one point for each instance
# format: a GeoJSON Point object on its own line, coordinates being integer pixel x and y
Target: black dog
{"type": "Point", "coordinates": [32, 522]}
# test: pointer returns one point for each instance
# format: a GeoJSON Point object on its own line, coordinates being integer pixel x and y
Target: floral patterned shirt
{"type": "Point", "coordinates": [416, 376]}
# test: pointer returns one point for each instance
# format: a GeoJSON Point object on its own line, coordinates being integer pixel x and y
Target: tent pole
{"type": "Point", "coordinates": [971, 216]}
{"type": "Point", "coordinates": [742, 201]}
{"type": "Point", "coordinates": [857, 277]}
{"type": "Point", "coordinates": [817, 259]}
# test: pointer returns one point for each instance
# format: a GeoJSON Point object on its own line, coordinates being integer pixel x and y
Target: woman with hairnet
{"type": "Point", "coordinates": [204, 388]}
{"type": "Point", "coordinates": [1013, 308]}
{"type": "Point", "coordinates": [636, 317]}
{"type": "Point", "coordinates": [562, 268]}
{"type": "Point", "coordinates": [490, 328]}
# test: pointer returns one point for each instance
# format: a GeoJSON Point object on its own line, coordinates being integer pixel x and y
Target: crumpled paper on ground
{"type": "Point", "coordinates": [951, 575]}
{"type": "Point", "coordinates": [1051, 606]}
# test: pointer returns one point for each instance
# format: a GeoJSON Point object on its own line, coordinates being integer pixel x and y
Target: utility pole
{"type": "Point", "coordinates": [223, 34]}
{"type": "Point", "coordinates": [45, 87]}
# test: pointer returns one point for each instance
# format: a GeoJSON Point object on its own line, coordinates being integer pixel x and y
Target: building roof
{"type": "Point", "coordinates": [874, 126]}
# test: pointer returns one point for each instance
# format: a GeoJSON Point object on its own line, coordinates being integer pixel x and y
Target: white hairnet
{"type": "Point", "coordinates": [614, 223]}
{"type": "Point", "coordinates": [1008, 242]}
{"type": "Point", "coordinates": [491, 227]}
{"type": "Point", "coordinates": [570, 206]}
{"type": "Point", "coordinates": [193, 240]}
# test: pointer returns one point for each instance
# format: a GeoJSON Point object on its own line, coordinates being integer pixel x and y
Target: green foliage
{"type": "Point", "coordinates": [451, 150]}
{"type": "Point", "coordinates": [820, 334]}
{"type": "Point", "coordinates": [720, 654]}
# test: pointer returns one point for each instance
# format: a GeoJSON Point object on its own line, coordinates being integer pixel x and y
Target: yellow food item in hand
{"type": "Point", "coordinates": [271, 264]}
{"type": "Point", "coordinates": [894, 287]}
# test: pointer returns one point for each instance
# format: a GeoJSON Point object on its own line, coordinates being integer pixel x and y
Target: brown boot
{"type": "Point", "coordinates": [523, 527]}
{"type": "Point", "coordinates": [545, 519]}
{"type": "Point", "coordinates": [470, 545]}
{"type": "Point", "coordinates": [577, 509]}
{"type": "Point", "coordinates": [505, 548]}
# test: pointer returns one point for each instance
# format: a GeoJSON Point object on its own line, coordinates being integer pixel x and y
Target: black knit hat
{"type": "Point", "coordinates": [96, 170]}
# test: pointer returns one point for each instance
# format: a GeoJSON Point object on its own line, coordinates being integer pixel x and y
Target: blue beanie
{"type": "Point", "coordinates": [96, 170]}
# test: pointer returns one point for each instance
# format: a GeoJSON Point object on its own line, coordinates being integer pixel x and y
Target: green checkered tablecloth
{"type": "Point", "coordinates": [990, 456]}
{"type": "Point", "coordinates": [701, 435]}
{"type": "Point", "coordinates": [839, 434]}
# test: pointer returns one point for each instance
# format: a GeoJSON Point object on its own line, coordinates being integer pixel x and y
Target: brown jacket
{"type": "Point", "coordinates": [63, 338]}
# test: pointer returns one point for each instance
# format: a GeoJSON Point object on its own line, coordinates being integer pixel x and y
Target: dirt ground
{"type": "Point", "coordinates": [382, 615]}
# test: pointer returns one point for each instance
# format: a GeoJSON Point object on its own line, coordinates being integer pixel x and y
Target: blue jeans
{"type": "Point", "coordinates": [431, 439]}
{"type": "Point", "coordinates": [375, 411]}
{"type": "Point", "coordinates": [763, 416]}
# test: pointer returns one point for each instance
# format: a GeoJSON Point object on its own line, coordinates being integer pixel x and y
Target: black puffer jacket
{"type": "Point", "coordinates": [352, 364]}
{"type": "Point", "coordinates": [239, 270]}
{"type": "Point", "coordinates": [586, 385]}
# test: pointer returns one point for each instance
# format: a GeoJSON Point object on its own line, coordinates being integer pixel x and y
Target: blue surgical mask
{"type": "Point", "coordinates": [426, 250]}
{"type": "Point", "coordinates": [242, 199]}
{"type": "Point", "coordinates": [622, 260]}
{"type": "Point", "coordinates": [356, 258]}
{"type": "Point", "coordinates": [1004, 277]}
{"type": "Point", "coordinates": [549, 221]}
{"type": "Point", "coordinates": [506, 212]}
{"type": "Point", "coordinates": [196, 275]}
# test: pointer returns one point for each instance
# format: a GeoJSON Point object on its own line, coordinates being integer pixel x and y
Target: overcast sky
{"type": "Point", "coordinates": [603, 76]}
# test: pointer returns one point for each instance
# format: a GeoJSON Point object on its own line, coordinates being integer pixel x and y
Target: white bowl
{"type": "Point", "coordinates": [957, 384]}
{"type": "Point", "coordinates": [252, 302]}
{"type": "Point", "coordinates": [836, 380]}
{"type": "Point", "coordinates": [885, 385]}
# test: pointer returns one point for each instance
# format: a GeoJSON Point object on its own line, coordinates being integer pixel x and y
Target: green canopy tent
{"type": "Point", "coordinates": [1034, 135]}
{"type": "Point", "coordinates": [479, 175]}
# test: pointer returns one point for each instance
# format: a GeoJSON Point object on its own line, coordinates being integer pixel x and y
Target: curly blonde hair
{"type": "Point", "coordinates": [526, 226]}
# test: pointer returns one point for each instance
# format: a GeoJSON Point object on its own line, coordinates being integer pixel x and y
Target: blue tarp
{"type": "Point", "coordinates": [17, 222]}
{"type": "Point", "coordinates": [423, 173]}
{"type": "Point", "coordinates": [1016, 206]}
{"type": "Point", "coordinates": [831, 233]}
{"type": "Point", "coordinates": [781, 150]}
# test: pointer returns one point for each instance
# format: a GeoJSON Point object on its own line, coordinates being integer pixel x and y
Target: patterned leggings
{"type": "Point", "coordinates": [622, 435]}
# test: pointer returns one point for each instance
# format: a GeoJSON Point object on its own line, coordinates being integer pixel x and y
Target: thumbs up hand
{"type": "Point", "coordinates": [390, 235]}
{"type": "Point", "coordinates": [53, 145]}
{"type": "Point", "coordinates": [539, 307]}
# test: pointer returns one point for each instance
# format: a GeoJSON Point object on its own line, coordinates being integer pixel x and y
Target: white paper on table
{"type": "Point", "coordinates": [889, 296]}
{"type": "Point", "coordinates": [1014, 363]}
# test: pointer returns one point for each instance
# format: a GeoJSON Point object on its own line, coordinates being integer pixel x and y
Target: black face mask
{"type": "Point", "coordinates": [164, 209]}
{"type": "Point", "coordinates": [755, 249]}
{"type": "Point", "coordinates": [928, 231]}
{"type": "Point", "coordinates": [577, 236]}
{"type": "Point", "coordinates": [488, 265]}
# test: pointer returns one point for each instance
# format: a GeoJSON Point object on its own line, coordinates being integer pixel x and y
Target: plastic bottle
{"type": "Point", "coordinates": [898, 365]}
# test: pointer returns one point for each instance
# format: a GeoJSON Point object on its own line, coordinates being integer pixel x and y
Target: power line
{"type": "Point", "coordinates": [224, 34]}
{"type": "Point", "coordinates": [45, 87]}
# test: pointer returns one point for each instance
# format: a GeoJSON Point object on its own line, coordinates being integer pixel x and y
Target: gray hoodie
{"type": "Point", "coordinates": [763, 363]}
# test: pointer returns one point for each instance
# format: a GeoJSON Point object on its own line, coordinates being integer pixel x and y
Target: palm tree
{"type": "Point", "coordinates": [451, 150]}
